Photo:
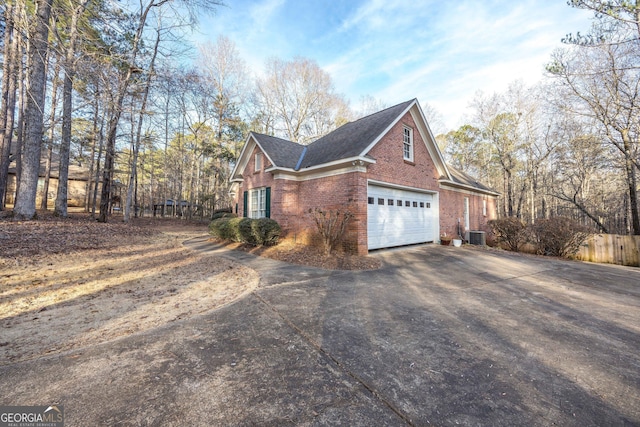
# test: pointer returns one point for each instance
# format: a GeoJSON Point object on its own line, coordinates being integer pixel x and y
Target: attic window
{"type": "Point", "coordinates": [407, 143]}
{"type": "Point", "coordinates": [258, 162]}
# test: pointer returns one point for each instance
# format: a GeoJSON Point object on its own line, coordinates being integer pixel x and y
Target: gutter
{"type": "Point", "coordinates": [468, 187]}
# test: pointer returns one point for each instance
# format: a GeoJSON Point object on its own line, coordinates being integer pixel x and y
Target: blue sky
{"type": "Point", "coordinates": [441, 52]}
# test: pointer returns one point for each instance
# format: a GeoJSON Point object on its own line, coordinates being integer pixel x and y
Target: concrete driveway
{"type": "Point", "coordinates": [438, 336]}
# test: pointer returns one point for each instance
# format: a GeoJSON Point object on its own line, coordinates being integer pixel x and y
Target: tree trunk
{"type": "Point", "coordinates": [92, 162]}
{"type": "Point", "coordinates": [25, 207]}
{"type": "Point", "coordinates": [110, 151]}
{"type": "Point", "coordinates": [49, 146]}
{"type": "Point", "coordinates": [630, 170]}
{"type": "Point", "coordinates": [65, 146]}
{"type": "Point", "coordinates": [97, 175]}
{"type": "Point", "coordinates": [7, 108]}
{"type": "Point", "coordinates": [136, 147]}
{"type": "Point", "coordinates": [67, 100]}
{"type": "Point", "coordinates": [20, 127]}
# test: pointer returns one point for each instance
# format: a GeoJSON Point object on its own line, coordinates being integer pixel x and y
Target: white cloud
{"type": "Point", "coordinates": [261, 14]}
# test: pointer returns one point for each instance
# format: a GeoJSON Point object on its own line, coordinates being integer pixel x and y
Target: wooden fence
{"type": "Point", "coordinates": [611, 249]}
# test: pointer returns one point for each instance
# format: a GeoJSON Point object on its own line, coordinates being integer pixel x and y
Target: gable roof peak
{"type": "Point", "coordinates": [386, 110]}
{"type": "Point", "coordinates": [281, 152]}
{"type": "Point", "coordinates": [353, 138]}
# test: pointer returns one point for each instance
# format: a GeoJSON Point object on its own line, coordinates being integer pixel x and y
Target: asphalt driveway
{"type": "Point", "coordinates": [438, 336]}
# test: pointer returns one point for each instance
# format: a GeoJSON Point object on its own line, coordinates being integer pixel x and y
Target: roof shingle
{"type": "Point", "coordinates": [283, 153]}
{"type": "Point", "coordinates": [462, 178]}
{"type": "Point", "coordinates": [351, 139]}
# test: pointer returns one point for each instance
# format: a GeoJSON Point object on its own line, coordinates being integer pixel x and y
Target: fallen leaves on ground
{"type": "Point", "coordinates": [288, 251]}
{"type": "Point", "coordinates": [67, 283]}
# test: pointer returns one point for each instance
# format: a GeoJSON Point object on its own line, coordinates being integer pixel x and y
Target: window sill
{"type": "Point", "coordinates": [409, 162]}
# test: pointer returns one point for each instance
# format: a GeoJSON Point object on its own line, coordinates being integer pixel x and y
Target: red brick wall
{"type": "Point", "coordinates": [254, 179]}
{"type": "Point", "coordinates": [346, 191]}
{"type": "Point", "coordinates": [452, 208]}
{"type": "Point", "coordinates": [390, 165]}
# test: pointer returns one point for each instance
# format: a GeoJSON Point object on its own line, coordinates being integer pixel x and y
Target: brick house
{"type": "Point", "coordinates": [385, 168]}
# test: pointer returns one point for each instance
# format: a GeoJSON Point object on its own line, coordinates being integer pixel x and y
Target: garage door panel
{"type": "Point", "coordinates": [399, 217]}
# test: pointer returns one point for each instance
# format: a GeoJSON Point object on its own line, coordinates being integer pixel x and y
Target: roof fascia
{"type": "Point", "coordinates": [351, 164]}
{"type": "Point", "coordinates": [242, 160]}
{"type": "Point", "coordinates": [338, 163]}
{"type": "Point", "coordinates": [430, 140]}
{"type": "Point", "coordinates": [450, 183]}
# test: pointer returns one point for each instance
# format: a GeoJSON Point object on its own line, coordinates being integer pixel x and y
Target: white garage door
{"type": "Point", "coordinates": [398, 217]}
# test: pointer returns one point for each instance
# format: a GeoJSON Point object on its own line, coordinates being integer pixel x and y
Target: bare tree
{"type": "Point", "coordinates": [52, 131]}
{"type": "Point", "coordinates": [150, 73]}
{"type": "Point", "coordinates": [297, 100]}
{"type": "Point", "coordinates": [126, 76]}
{"type": "Point", "coordinates": [602, 83]}
{"type": "Point", "coordinates": [581, 174]}
{"type": "Point", "coordinates": [224, 71]}
{"type": "Point", "coordinates": [517, 143]}
{"type": "Point", "coordinates": [369, 105]}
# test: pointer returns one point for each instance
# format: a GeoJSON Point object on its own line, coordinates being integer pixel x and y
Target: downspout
{"type": "Point", "coordinates": [297, 168]}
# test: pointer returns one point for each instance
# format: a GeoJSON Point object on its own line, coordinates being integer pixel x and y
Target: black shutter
{"type": "Point", "coordinates": [267, 203]}
{"type": "Point", "coordinates": [246, 204]}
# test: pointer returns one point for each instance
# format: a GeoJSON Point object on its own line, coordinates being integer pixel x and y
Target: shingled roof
{"type": "Point", "coordinates": [351, 139]}
{"type": "Point", "coordinates": [460, 177]}
{"type": "Point", "coordinates": [283, 153]}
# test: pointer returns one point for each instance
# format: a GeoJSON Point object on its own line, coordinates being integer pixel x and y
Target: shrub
{"type": "Point", "coordinates": [331, 225]}
{"type": "Point", "coordinates": [510, 231]}
{"type": "Point", "coordinates": [214, 228]}
{"type": "Point", "coordinates": [226, 229]}
{"type": "Point", "coordinates": [245, 229]}
{"type": "Point", "coordinates": [559, 236]}
{"type": "Point", "coordinates": [223, 214]}
{"type": "Point", "coordinates": [223, 210]}
{"type": "Point", "coordinates": [268, 231]}
{"type": "Point", "coordinates": [256, 232]}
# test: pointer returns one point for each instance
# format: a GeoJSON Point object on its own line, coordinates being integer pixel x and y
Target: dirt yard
{"type": "Point", "coordinates": [75, 282]}
{"type": "Point", "coordinates": [70, 283]}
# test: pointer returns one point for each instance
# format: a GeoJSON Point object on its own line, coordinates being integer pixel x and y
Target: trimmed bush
{"type": "Point", "coordinates": [510, 231]}
{"type": "Point", "coordinates": [246, 229]}
{"type": "Point", "coordinates": [559, 236]}
{"type": "Point", "coordinates": [256, 232]}
{"type": "Point", "coordinates": [225, 229]}
{"type": "Point", "coordinates": [268, 231]}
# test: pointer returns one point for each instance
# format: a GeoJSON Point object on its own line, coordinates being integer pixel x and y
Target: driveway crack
{"type": "Point", "coordinates": [336, 362]}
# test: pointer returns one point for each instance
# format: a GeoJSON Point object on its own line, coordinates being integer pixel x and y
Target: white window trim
{"type": "Point", "coordinates": [257, 203]}
{"type": "Point", "coordinates": [409, 144]}
{"type": "Point", "coordinates": [258, 162]}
